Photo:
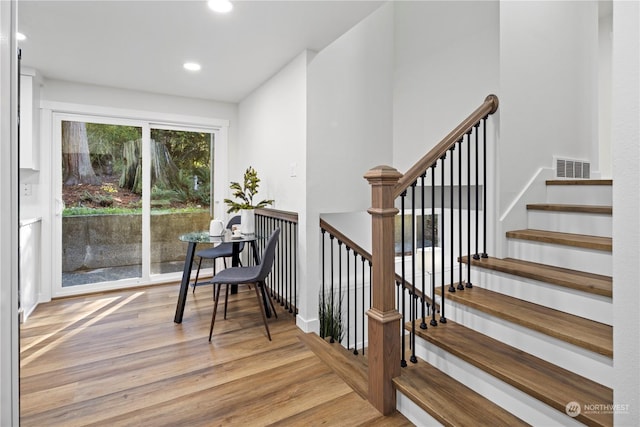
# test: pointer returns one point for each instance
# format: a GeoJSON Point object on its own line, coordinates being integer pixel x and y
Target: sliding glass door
{"type": "Point", "coordinates": [181, 183]}
{"type": "Point", "coordinates": [125, 191]}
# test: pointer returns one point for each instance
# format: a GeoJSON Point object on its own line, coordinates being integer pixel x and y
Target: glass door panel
{"type": "Point", "coordinates": [181, 192]}
{"type": "Point", "coordinates": [101, 192]}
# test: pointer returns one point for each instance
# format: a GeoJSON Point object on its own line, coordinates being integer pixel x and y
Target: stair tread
{"type": "Point", "coordinates": [568, 239]}
{"type": "Point", "coordinates": [440, 396]}
{"type": "Point", "coordinates": [579, 182]}
{"type": "Point", "coordinates": [587, 282]}
{"type": "Point", "coordinates": [581, 332]}
{"type": "Point", "coordinates": [559, 207]}
{"type": "Point", "coordinates": [540, 379]}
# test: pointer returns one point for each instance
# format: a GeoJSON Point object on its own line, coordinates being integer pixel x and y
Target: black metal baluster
{"type": "Point", "coordinates": [281, 278]}
{"type": "Point", "coordinates": [403, 361]}
{"type": "Point", "coordinates": [433, 321]}
{"type": "Point", "coordinates": [399, 289]}
{"type": "Point", "coordinates": [295, 268]}
{"type": "Point", "coordinates": [469, 285]}
{"type": "Point", "coordinates": [348, 249]}
{"type": "Point", "coordinates": [412, 305]}
{"type": "Point", "coordinates": [477, 254]}
{"type": "Point", "coordinates": [423, 323]}
{"type": "Point", "coordinates": [363, 311]}
{"type": "Point", "coordinates": [459, 186]}
{"type": "Point", "coordinates": [340, 283]}
{"type": "Point", "coordinates": [451, 287]}
{"type": "Point", "coordinates": [287, 300]}
{"type": "Point", "coordinates": [332, 291]}
{"type": "Point", "coordinates": [484, 187]}
{"type": "Point", "coordinates": [443, 319]}
{"type": "Point", "coordinates": [370, 282]}
{"type": "Point", "coordinates": [355, 303]}
{"type": "Point", "coordinates": [324, 266]}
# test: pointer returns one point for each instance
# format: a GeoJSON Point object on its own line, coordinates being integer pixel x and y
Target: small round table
{"type": "Point", "coordinates": [195, 237]}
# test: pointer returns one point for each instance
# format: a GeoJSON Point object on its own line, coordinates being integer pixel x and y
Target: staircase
{"type": "Point", "coordinates": [532, 341]}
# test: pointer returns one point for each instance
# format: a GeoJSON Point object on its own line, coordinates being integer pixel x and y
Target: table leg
{"type": "Point", "coordinates": [235, 262]}
{"type": "Point", "coordinates": [184, 284]}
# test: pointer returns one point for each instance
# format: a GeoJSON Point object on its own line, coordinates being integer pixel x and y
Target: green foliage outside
{"type": "Point", "coordinates": [83, 211]}
{"type": "Point", "coordinates": [190, 152]}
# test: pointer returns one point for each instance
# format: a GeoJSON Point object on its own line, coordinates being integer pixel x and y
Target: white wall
{"type": "Point", "coordinates": [349, 131]}
{"type": "Point", "coordinates": [446, 63]}
{"type": "Point", "coordinates": [548, 88]}
{"type": "Point", "coordinates": [626, 208]}
{"type": "Point", "coordinates": [61, 91]}
{"type": "Point", "coordinates": [272, 136]}
{"type": "Point", "coordinates": [603, 163]}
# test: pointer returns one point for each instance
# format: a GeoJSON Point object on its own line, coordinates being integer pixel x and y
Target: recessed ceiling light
{"type": "Point", "coordinates": [192, 66]}
{"type": "Point", "coordinates": [220, 6]}
{"type": "Point", "coordinates": [20, 37]}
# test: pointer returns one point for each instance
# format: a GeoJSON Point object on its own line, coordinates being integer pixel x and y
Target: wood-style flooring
{"type": "Point", "coordinates": [118, 359]}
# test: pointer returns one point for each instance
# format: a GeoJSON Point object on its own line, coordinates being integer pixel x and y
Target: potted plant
{"type": "Point", "coordinates": [244, 194]}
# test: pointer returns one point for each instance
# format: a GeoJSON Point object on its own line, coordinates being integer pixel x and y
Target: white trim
{"type": "Point", "coordinates": [141, 115]}
{"type": "Point", "coordinates": [9, 223]}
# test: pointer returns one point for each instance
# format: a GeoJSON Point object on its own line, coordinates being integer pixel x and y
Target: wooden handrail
{"type": "Point", "coordinates": [278, 214]}
{"type": "Point", "coordinates": [344, 239]}
{"type": "Point", "coordinates": [489, 106]}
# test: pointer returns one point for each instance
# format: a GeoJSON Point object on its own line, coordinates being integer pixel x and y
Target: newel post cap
{"type": "Point", "coordinates": [382, 173]}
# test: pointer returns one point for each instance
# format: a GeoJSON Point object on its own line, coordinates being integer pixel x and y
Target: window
{"type": "Point", "coordinates": [425, 234]}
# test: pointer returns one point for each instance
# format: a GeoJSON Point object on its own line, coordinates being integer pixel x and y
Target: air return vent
{"type": "Point", "coordinates": [566, 168]}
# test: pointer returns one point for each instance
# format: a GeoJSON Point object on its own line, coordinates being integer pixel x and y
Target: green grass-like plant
{"type": "Point", "coordinates": [331, 319]}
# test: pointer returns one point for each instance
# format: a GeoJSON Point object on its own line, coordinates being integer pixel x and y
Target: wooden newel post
{"type": "Point", "coordinates": [384, 319]}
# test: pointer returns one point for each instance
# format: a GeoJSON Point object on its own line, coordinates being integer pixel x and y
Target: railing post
{"type": "Point", "coordinates": [384, 319]}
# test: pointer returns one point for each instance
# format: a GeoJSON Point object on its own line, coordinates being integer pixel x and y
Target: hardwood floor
{"type": "Point", "coordinates": [118, 359]}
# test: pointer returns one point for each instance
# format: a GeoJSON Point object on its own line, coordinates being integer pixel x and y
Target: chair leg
{"type": "Point", "coordinates": [261, 304]}
{"type": "Point", "coordinates": [195, 282]}
{"type": "Point", "coordinates": [266, 291]}
{"type": "Point", "coordinates": [226, 299]}
{"type": "Point", "coordinates": [215, 308]}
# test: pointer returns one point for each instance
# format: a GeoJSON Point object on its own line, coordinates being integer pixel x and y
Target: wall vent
{"type": "Point", "coordinates": [566, 168]}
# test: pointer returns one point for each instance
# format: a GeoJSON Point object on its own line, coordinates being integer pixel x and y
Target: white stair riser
{"type": "Point", "coordinates": [413, 412]}
{"type": "Point", "coordinates": [576, 359]}
{"type": "Point", "coordinates": [502, 394]}
{"type": "Point", "coordinates": [577, 303]}
{"type": "Point", "coordinates": [570, 222]}
{"type": "Point", "coordinates": [580, 194]}
{"type": "Point", "coordinates": [573, 258]}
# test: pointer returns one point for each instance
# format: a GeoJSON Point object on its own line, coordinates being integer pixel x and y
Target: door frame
{"type": "Point", "coordinates": [51, 114]}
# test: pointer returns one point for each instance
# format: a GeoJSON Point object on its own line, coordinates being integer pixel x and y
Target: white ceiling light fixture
{"type": "Point", "coordinates": [192, 66]}
{"type": "Point", "coordinates": [220, 6]}
{"type": "Point", "coordinates": [20, 37]}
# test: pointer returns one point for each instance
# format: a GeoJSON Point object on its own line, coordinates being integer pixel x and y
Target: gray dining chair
{"type": "Point", "coordinates": [223, 250]}
{"type": "Point", "coordinates": [255, 274]}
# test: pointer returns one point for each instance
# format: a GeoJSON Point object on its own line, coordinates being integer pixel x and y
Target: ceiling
{"type": "Point", "coordinates": [141, 45]}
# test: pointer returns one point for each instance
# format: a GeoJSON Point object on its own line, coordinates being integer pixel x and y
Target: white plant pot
{"type": "Point", "coordinates": [247, 221]}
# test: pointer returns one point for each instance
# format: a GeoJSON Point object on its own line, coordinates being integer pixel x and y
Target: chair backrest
{"type": "Point", "coordinates": [268, 255]}
{"type": "Point", "coordinates": [235, 220]}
